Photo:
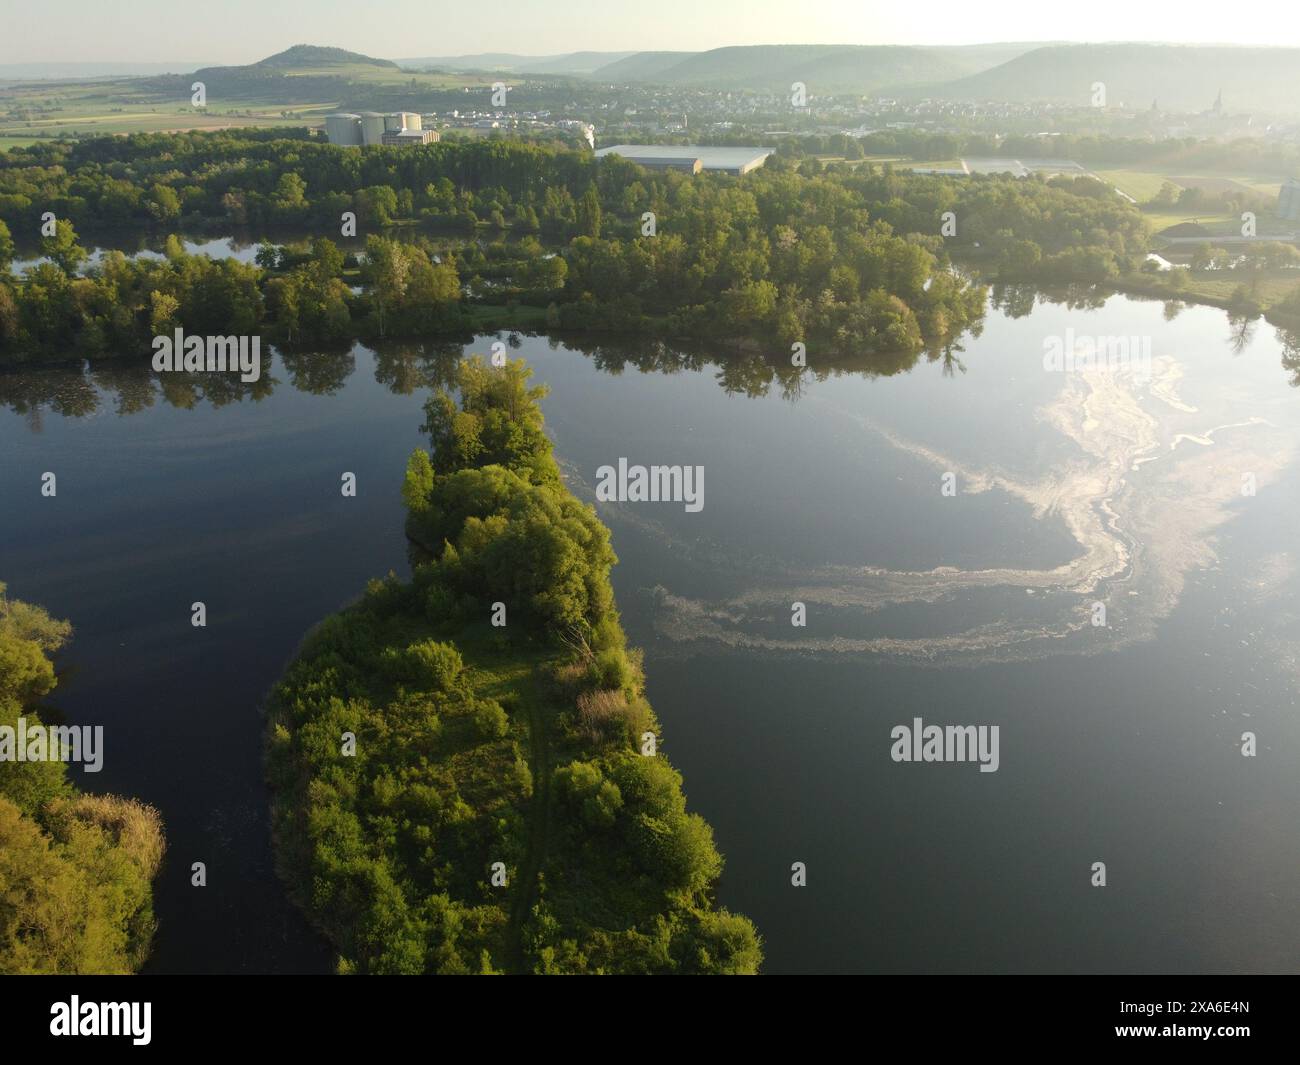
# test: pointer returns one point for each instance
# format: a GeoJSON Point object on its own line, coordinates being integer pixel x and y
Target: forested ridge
{"type": "Point", "coordinates": [507, 806]}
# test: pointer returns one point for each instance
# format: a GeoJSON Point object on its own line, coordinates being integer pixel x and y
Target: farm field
{"type": "Point", "coordinates": [35, 110]}
{"type": "Point", "coordinates": [1142, 185]}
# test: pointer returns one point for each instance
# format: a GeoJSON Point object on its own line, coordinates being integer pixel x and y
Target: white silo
{"type": "Point", "coordinates": [343, 129]}
{"type": "Point", "coordinates": [372, 127]}
{"type": "Point", "coordinates": [410, 120]}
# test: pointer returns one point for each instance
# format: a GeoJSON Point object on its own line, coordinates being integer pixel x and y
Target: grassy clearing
{"type": "Point", "coordinates": [1222, 224]}
{"type": "Point", "coordinates": [930, 164]}
{"type": "Point", "coordinates": [1215, 286]}
{"type": "Point", "coordinates": [1141, 185]}
{"type": "Point", "coordinates": [501, 317]}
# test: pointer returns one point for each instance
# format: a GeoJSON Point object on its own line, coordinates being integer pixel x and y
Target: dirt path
{"type": "Point", "coordinates": [539, 820]}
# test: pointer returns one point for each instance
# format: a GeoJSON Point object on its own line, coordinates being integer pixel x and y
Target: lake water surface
{"type": "Point", "coordinates": [1171, 496]}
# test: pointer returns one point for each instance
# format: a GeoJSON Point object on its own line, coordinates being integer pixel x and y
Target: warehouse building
{"type": "Point", "coordinates": [406, 137]}
{"type": "Point", "coordinates": [691, 158]}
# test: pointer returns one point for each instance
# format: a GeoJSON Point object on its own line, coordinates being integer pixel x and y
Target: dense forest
{"type": "Point", "coordinates": [849, 257]}
{"type": "Point", "coordinates": [75, 869]}
{"type": "Point", "coordinates": [468, 776]}
{"type": "Point", "coordinates": [463, 237]}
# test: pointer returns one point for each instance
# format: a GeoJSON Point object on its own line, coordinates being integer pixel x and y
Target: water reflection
{"type": "Point", "coordinates": [403, 367]}
{"type": "Point", "coordinates": [125, 388]}
{"type": "Point", "coordinates": [239, 244]}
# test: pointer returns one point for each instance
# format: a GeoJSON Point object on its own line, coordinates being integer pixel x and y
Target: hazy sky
{"type": "Point", "coordinates": [240, 31]}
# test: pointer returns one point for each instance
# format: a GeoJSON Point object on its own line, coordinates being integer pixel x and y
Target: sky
{"type": "Point", "coordinates": [242, 31]}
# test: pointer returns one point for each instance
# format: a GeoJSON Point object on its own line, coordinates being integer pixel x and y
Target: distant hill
{"type": "Point", "coordinates": [573, 63]}
{"type": "Point", "coordinates": [641, 66]}
{"type": "Point", "coordinates": [578, 63]}
{"type": "Point", "coordinates": [976, 57]}
{"type": "Point", "coordinates": [823, 68]}
{"type": "Point", "coordinates": [311, 56]}
{"type": "Point", "coordinates": [305, 73]}
{"type": "Point", "coordinates": [77, 71]}
{"type": "Point", "coordinates": [1179, 77]}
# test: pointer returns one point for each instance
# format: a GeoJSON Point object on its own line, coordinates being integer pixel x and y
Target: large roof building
{"type": "Point", "coordinates": [690, 157]}
{"type": "Point", "coordinates": [408, 136]}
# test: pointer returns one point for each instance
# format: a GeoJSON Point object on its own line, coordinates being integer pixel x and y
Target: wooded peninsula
{"type": "Point", "coordinates": [468, 777]}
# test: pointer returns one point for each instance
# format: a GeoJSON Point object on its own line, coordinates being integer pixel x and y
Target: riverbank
{"type": "Point", "coordinates": [76, 868]}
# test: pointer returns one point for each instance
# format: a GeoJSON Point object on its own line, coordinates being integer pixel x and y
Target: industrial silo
{"type": "Point", "coordinates": [393, 122]}
{"type": "Point", "coordinates": [372, 127]}
{"type": "Point", "coordinates": [410, 120]}
{"type": "Point", "coordinates": [343, 129]}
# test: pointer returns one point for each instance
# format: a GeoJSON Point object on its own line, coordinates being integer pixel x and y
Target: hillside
{"type": "Point", "coordinates": [309, 76]}
{"type": "Point", "coordinates": [1179, 77]}
{"type": "Point", "coordinates": [849, 68]}
{"type": "Point", "coordinates": [840, 68]}
{"type": "Point", "coordinates": [973, 58]}
{"type": "Point", "coordinates": [311, 56]}
{"type": "Point", "coordinates": [641, 66]}
{"type": "Point", "coordinates": [300, 61]}
{"type": "Point", "coordinates": [568, 63]}
{"type": "Point", "coordinates": [573, 63]}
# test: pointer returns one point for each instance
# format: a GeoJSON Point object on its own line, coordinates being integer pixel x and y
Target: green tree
{"type": "Point", "coordinates": [588, 213]}
{"type": "Point", "coordinates": [62, 249]}
{"type": "Point", "coordinates": [6, 248]}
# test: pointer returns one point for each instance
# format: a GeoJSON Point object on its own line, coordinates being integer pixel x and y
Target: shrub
{"type": "Point", "coordinates": [611, 669]}
{"type": "Point", "coordinates": [604, 716]}
{"type": "Point", "coordinates": [490, 719]}
{"type": "Point", "coordinates": [426, 664]}
{"type": "Point", "coordinates": [582, 784]}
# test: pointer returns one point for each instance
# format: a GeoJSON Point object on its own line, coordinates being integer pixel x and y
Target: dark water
{"type": "Point", "coordinates": [242, 246]}
{"type": "Point", "coordinates": [134, 244]}
{"type": "Point", "coordinates": [1119, 744]}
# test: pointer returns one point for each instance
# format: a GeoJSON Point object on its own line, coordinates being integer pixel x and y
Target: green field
{"type": "Point", "coordinates": [373, 75]}
{"type": "Point", "coordinates": [929, 164]}
{"type": "Point", "coordinates": [1222, 224]}
{"type": "Point", "coordinates": [34, 111]}
{"type": "Point", "coordinates": [37, 112]}
{"type": "Point", "coordinates": [1142, 185]}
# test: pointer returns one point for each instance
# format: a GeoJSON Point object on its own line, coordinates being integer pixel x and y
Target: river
{"type": "Point", "coordinates": [950, 527]}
